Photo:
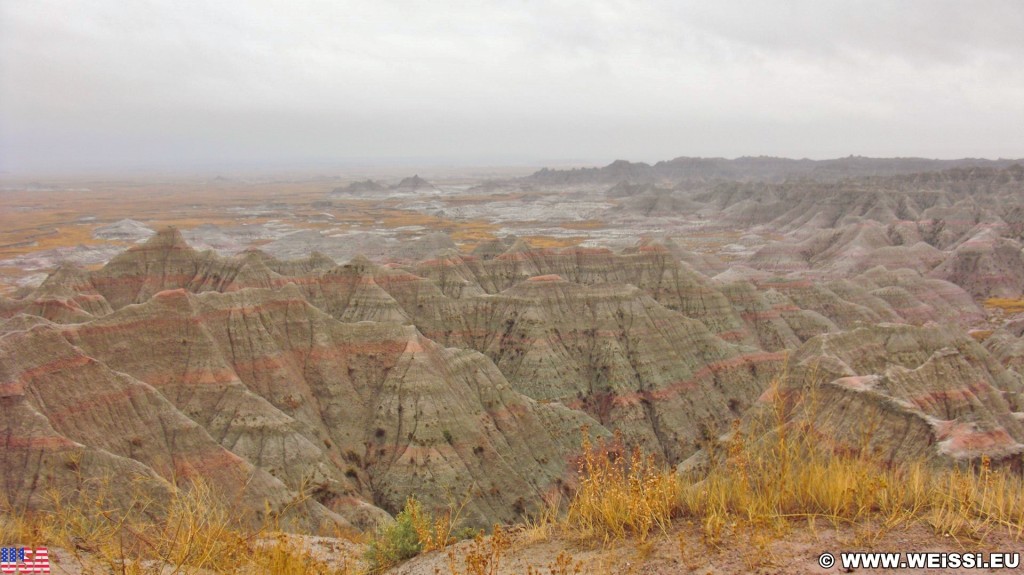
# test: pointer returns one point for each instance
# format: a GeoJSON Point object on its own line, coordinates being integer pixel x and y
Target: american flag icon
{"type": "Point", "coordinates": [24, 560]}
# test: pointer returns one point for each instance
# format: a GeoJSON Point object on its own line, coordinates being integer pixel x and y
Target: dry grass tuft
{"type": "Point", "coordinates": [564, 564]}
{"type": "Point", "coordinates": [190, 533]}
{"type": "Point", "coordinates": [762, 481]}
{"type": "Point", "coordinates": [621, 492]}
{"type": "Point", "coordinates": [414, 531]}
{"type": "Point", "coordinates": [484, 555]}
{"type": "Point", "coordinates": [758, 484]}
{"type": "Point", "coordinates": [770, 477]}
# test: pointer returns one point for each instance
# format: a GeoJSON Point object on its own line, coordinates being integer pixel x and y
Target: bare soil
{"type": "Point", "coordinates": [793, 550]}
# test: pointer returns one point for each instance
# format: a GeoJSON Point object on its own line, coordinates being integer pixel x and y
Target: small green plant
{"type": "Point", "coordinates": [395, 542]}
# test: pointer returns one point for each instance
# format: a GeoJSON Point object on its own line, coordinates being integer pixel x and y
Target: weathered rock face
{"type": "Point", "coordinates": [362, 384]}
{"type": "Point", "coordinates": [60, 403]}
{"type": "Point", "coordinates": [165, 261]}
{"type": "Point", "coordinates": [878, 295]}
{"type": "Point", "coordinates": [986, 265]}
{"type": "Point", "coordinates": [909, 392]}
{"type": "Point", "coordinates": [187, 366]}
{"type": "Point", "coordinates": [352, 413]}
{"type": "Point", "coordinates": [350, 293]}
{"type": "Point", "coordinates": [652, 268]}
{"type": "Point", "coordinates": [39, 461]}
{"type": "Point", "coordinates": [769, 318]}
{"type": "Point", "coordinates": [942, 204]}
{"type": "Point", "coordinates": [618, 355]}
{"type": "Point", "coordinates": [657, 202]}
{"type": "Point", "coordinates": [1008, 348]}
{"type": "Point", "coordinates": [66, 296]}
{"type": "Point", "coordinates": [963, 225]}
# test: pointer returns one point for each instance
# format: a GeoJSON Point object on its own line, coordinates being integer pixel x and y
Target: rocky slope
{"type": "Point", "coordinates": [260, 387]}
{"type": "Point", "coordinates": [904, 391]}
{"type": "Point", "coordinates": [361, 384]}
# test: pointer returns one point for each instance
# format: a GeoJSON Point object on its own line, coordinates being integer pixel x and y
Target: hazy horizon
{"type": "Point", "coordinates": [104, 86]}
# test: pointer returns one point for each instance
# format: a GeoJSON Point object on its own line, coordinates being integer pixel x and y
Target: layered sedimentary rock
{"type": "Point", "coordinates": [1007, 345]}
{"type": "Point", "coordinates": [351, 413]}
{"type": "Point", "coordinates": [350, 293]}
{"type": "Point", "coordinates": [657, 202]}
{"type": "Point", "coordinates": [66, 296]}
{"type": "Point", "coordinates": [986, 265]}
{"type": "Point", "coordinates": [963, 225]}
{"type": "Point", "coordinates": [651, 267]}
{"type": "Point", "coordinates": [907, 392]}
{"type": "Point", "coordinates": [165, 261]}
{"type": "Point", "coordinates": [619, 355]}
{"type": "Point", "coordinates": [362, 383]}
{"type": "Point", "coordinates": [61, 403]}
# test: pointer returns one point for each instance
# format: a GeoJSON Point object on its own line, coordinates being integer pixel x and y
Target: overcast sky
{"type": "Point", "coordinates": [115, 84]}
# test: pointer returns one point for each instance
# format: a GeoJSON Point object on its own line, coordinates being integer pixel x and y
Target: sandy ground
{"type": "Point", "coordinates": [795, 550]}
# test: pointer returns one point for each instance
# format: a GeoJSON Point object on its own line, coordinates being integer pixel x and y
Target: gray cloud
{"type": "Point", "coordinates": [108, 84]}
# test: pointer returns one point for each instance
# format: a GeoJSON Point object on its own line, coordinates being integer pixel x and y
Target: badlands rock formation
{"type": "Point", "coordinates": [424, 369]}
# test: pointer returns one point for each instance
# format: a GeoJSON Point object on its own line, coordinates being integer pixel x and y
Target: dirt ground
{"type": "Point", "coordinates": [793, 550]}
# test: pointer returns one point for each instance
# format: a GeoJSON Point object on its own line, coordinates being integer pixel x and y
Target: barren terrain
{"type": "Point", "coordinates": [320, 350]}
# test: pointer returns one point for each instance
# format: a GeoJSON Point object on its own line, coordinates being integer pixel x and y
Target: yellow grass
{"type": "Point", "coordinates": [760, 481]}
{"type": "Point", "coordinates": [584, 225]}
{"type": "Point", "coordinates": [766, 479]}
{"type": "Point", "coordinates": [621, 492]}
{"type": "Point", "coordinates": [483, 557]}
{"type": "Point", "coordinates": [193, 532]}
{"type": "Point", "coordinates": [552, 242]}
{"type": "Point", "coordinates": [469, 234]}
{"type": "Point", "coordinates": [1008, 305]}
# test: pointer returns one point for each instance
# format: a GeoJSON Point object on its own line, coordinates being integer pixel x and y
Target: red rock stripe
{"type": "Point", "coordinates": [50, 442]}
{"type": "Point", "coordinates": [60, 364]}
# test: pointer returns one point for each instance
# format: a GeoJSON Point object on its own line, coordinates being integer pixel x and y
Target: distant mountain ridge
{"type": "Point", "coordinates": [759, 168]}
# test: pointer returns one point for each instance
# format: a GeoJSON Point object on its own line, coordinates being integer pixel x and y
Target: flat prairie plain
{"type": "Point", "coordinates": [43, 224]}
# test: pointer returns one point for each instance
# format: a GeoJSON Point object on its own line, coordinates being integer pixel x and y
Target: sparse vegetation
{"type": "Point", "coordinates": [395, 542]}
{"type": "Point", "coordinates": [759, 484]}
{"type": "Point", "coordinates": [621, 492]}
{"type": "Point", "coordinates": [194, 531]}
{"type": "Point", "coordinates": [564, 564]}
{"type": "Point", "coordinates": [764, 480]}
{"type": "Point", "coordinates": [1008, 306]}
{"type": "Point", "coordinates": [483, 557]}
{"type": "Point", "coordinates": [769, 485]}
{"type": "Point", "coordinates": [414, 531]}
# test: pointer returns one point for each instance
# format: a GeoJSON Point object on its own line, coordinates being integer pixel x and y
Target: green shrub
{"type": "Point", "coordinates": [394, 543]}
